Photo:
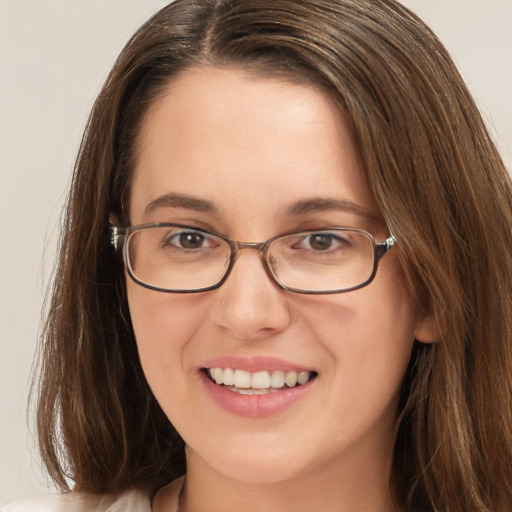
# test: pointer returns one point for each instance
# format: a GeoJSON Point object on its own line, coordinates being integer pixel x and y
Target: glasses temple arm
{"type": "Point", "coordinates": [116, 236]}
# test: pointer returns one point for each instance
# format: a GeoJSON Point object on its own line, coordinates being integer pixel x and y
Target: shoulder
{"type": "Point", "coordinates": [133, 500]}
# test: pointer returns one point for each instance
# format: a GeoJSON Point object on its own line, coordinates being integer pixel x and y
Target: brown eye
{"type": "Point", "coordinates": [320, 242]}
{"type": "Point", "coordinates": [191, 240]}
{"type": "Point", "coordinates": [187, 240]}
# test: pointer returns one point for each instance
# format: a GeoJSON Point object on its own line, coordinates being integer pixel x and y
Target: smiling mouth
{"type": "Point", "coordinates": [258, 383]}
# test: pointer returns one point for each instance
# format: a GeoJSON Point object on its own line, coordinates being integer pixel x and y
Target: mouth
{"type": "Point", "coordinates": [258, 383]}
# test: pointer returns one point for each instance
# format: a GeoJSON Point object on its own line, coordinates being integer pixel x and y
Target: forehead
{"type": "Point", "coordinates": [235, 139]}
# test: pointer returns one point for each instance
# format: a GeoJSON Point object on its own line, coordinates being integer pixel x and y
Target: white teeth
{"type": "Point", "coordinates": [229, 377]}
{"type": "Point", "coordinates": [277, 379]}
{"type": "Point", "coordinates": [260, 380]}
{"type": "Point", "coordinates": [303, 378]}
{"type": "Point", "coordinates": [251, 391]}
{"type": "Point", "coordinates": [218, 375]}
{"type": "Point", "coordinates": [291, 379]}
{"type": "Point", "coordinates": [242, 379]}
{"type": "Point", "coordinates": [251, 383]}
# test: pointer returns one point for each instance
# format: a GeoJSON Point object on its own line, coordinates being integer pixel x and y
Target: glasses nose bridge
{"type": "Point", "coordinates": [257, 246]}
{"type": "Point", "coordinates": [260, 247]}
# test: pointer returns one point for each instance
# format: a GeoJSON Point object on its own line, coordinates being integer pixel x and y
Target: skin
{"type": "Point", "coordinates": [253, 148]}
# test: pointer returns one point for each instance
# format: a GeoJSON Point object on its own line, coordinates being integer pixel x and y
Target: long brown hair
{"type": "Point", "coordinates": [442, 189]}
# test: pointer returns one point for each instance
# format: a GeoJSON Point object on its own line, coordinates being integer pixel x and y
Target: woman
{"type": "Point", "coordinates": [287, 248]}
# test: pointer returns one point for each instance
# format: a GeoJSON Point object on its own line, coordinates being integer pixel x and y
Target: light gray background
{"type": "Point", "coordinates": [54, 55]}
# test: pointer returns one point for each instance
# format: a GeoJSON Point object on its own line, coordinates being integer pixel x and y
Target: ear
{"type": "Point", "coordinates": [425, 331]}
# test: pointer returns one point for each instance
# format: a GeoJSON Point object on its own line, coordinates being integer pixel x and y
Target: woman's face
{"type": "Point", "coordinates": [252, 158]}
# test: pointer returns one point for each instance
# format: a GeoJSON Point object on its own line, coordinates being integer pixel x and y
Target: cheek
{"type": "Point", "coordinates": [163, 324]}
{"type": "Point", "coordinates": [364, 320]}
{"type": "Point", "coordinates": [367, 341]}
{"type": "Point", "coordinates": [368, 335]}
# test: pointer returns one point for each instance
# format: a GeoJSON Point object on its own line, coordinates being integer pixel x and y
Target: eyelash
{"type": "Point", "coordinates": [332, 239]}
{"type": "Point", "coordinates": [177, 236]}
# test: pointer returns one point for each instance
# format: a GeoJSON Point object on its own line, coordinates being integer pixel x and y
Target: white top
{"type": "Point", "coordinates": [129, 501]}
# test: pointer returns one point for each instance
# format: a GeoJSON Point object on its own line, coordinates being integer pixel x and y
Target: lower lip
{"type": "Point", "coordinates": [255, 406]}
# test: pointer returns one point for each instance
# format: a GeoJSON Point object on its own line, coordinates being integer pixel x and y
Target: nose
{"type": "Point", "coordinates": [249, 304]}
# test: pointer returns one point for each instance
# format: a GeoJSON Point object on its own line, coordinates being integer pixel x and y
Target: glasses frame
{"type": "Point", "coordinates": [119, 239]}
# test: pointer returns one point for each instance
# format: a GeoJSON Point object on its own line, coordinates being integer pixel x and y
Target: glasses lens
{"type": "Point", "coordinates": [324, 261]}
{"type": "Point", "coordinates": [177, 258]}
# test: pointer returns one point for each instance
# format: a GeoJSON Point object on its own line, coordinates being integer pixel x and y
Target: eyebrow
{"type": "Point", "coordinates": [304, 207]}
{"type": "Point", "coordinates": [322, 204]}
{"type": "Point", "coordinates": [181, 201]}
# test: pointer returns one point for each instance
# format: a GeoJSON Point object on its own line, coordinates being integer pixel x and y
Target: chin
{"type": "Point", "coordinates": [261, 471]}
{"type": "Point", "coordinates": [258, 460]}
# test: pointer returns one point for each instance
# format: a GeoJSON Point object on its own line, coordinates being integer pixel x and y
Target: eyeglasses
{"type": "Point", "coordinates": [183, 259]}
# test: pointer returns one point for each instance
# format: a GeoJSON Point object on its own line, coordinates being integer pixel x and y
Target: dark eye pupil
{"type": "Point", "coordinates": [320, 242]}
{"type": "Point", "coordinates": [191, 240]}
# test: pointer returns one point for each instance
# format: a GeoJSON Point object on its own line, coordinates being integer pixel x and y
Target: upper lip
{"type": "Point", "coordinates": [255, 364]}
